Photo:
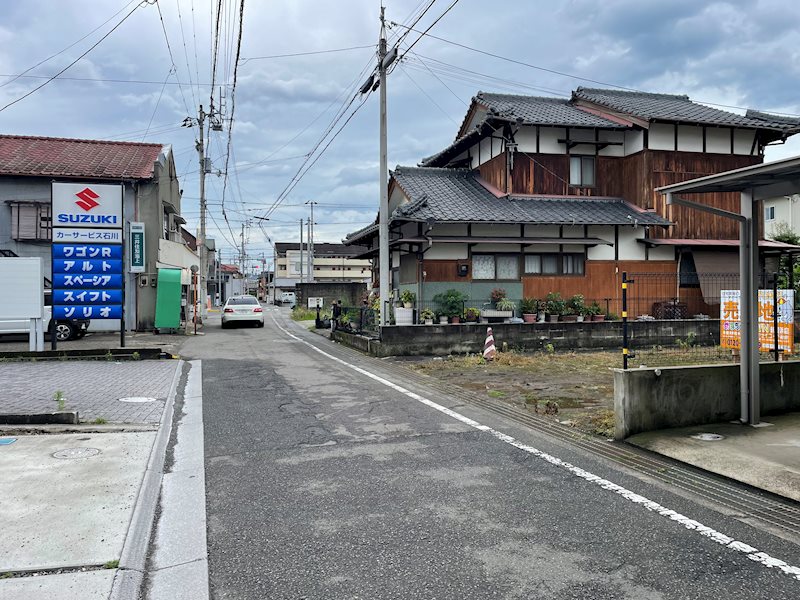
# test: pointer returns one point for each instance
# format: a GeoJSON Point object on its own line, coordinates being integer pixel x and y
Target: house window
{"type": "Point", "coordinates": [503, 267]}
{"type": "Point", "coordinates": [769, 213]}
{"type": "Point", "coordinates": [581, 171]}
{"type": "Point", "coordinates": [554, 264]}
{"type": "Point", "coordinates": [30, 221]}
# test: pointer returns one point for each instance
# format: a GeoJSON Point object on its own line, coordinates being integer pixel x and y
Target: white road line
{"type": "Point", "coordinates": [752, 553]}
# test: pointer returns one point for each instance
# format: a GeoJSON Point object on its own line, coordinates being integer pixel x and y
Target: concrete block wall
{"type": "Point", "coordinates": [350, 293]}
{"type": "Point", "coordinates": [648, 399]}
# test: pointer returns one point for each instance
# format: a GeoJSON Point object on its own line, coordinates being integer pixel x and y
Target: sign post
{"type": "Point", "coordinates": [87, 252]}
{"type": "Point", "coordinates": [136, 245]}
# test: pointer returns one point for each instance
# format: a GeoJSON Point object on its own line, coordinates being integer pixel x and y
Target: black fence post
{"type": "Point", "coordinates": [775, 315]}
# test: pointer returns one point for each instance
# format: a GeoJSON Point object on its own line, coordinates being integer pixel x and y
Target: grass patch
{"type": "Point", "coordinates": [99, 421]}
{"type": "Point", "coordinates": [496, 394]}
{"type": "Point", "coordinates": [60, 401]}
{"type": "Point", "coordinates": [602, 422]}
{"type": "Point", "coordinates": [112, 564]}
{"type": "Point", "coordinates": [303, 314]}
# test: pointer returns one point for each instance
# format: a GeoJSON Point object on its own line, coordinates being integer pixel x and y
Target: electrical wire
{"type": "Point", "coordinates": [155, 108]}
{"type": "Point", "coordinates": [436, 104]}
{"type": "Point", "coordinates": [171, 56]}
{"type": "Point", "coordinates": [310, 53]}
{"type": "Point", "coordinates": [186, 53]}
{"type": "Point", "coordinates": [92, 47]}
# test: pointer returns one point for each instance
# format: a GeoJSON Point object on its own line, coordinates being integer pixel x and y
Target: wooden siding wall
{"type": "Point", "coordinates": [444, 270]}
{"type": "Point", "coordinates": [602, 280]}
{"type": "Point", "coordinates": [634, 178]}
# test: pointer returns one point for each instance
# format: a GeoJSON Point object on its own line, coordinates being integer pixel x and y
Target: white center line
{"type": "Point", "coordinates": [752, 553]}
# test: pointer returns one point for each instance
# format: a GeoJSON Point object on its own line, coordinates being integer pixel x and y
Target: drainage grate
{"type": "Point", "coordinates": [70, 453]}
{"type": "Point", "coordinates": [708, 437]}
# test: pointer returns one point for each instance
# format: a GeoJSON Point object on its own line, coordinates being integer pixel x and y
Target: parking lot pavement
{"type": "Point", "coordinates": [93, 388]}
{"type": "Point", "coordinates": [170, 343]}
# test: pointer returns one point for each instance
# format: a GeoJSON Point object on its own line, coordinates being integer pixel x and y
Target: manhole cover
{"type": "Point", "coordinates": [76, 453]}
{"type": "Point", "coordinates": [709, 437]}
{"type": "Point", "coordinates": [137, 399]}
{"type": "Point", "coordinates": [7, 441]}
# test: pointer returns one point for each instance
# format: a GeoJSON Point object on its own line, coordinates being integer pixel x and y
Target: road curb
{"type": "Point", "coordinates": [130, 576]}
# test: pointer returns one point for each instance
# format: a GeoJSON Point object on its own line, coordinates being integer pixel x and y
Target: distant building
{"type": "Point", "coordinates": [332, 263]}
{"type": "Point", "coordinates": [782, 212]}
{"type": "Point", "coordinates": [28, 167]}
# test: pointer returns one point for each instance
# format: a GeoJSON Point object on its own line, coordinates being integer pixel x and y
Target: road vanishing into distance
{"type": "Point", "coordinates": [333, 475]}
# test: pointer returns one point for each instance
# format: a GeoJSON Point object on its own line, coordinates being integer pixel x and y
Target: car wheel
{"type": "Point", "coordinates": [225, 325]}
{"type": "Point", "coordinates": [64, 331]}
{"type": "Point", "coordinates": [260, 324]}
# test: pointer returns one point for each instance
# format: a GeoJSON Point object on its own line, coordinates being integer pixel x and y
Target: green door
{"type": "Point", "coordinates": [168, 299]}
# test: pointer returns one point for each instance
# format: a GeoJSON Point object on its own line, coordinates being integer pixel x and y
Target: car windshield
{"type": "Point", "coordinates": [243, 300]}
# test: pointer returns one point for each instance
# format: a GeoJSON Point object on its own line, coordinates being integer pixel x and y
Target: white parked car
{"type": "Point", "coordinates": [66, 329]}
{"type": "Point", "coordinates": [288, 298]}
{"type": "Point", "coordinates": [242, 309]}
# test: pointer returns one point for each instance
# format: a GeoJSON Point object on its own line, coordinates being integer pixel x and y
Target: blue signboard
{"type": "Point", "coordinates": [87, 281]}
{"type": "Point", "coordinates": [112, 311]}
{"type": "Point", "coordinates": [73, 297]}
{"type": "Point", "coordinates": [75, 251]}
{"type": "Point", "coordinates": [89, 265]}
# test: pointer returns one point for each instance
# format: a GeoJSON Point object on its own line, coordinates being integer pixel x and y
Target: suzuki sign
{"type": "Point", "coordinates": [87, 205]}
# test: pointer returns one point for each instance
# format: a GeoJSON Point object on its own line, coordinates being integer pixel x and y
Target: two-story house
{"type": "Point", "coordinates": [332, 263]}
{"type": "Point", "coordinates": [150, 195]}
{"type": "Point", "coordinates": [540, 195]}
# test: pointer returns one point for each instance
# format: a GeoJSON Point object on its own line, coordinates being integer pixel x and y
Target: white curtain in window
{"type": "Point", "coordinates": [587, 175]}
{"type": "Point", "coordinates": [575, 170]}
{"type": "Point", "coordinates": [533, 263]}
{"type": "Point", "coordinates": [550, 264]}
{"type": "Point", "coordinates": [483, 266]}
{"type": "Point", "coordinates": [507, 267]}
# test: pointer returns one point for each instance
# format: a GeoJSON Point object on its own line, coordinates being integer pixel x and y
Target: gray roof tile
{"type": "Point", "coordinates": [456, 195]}
{"type": "Point", "coordinates": [669, 107]}
{"type": "Point", "coordinates": [538, 110]}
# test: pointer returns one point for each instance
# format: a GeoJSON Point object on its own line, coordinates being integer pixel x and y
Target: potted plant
{"type": "Point", "coordinates": [577, 306]}
{"type": "Point", "coordinates": [451, 303]}
{"type": "Point", "coordinates": [554, 306]}
{"type": "Point", "coordinates": [504, 305]}
{"type": "Point", "coordinates": [497, 295]}
{"type": "Point", "coordinates": [442, 318]}
{"type": "Point", "coordinates": [471, 314]}
{"type": "Point", "coordinates": [427, 316]}
{"type": "Point", "coordinates": [529, 308]}
{"type": "Point", "coordinates": [407, 297]}
{"type": "Point", "coordinates": [594, 312]}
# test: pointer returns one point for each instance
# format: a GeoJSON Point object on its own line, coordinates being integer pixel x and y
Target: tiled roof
{"type": "Point", "coordinates": [772, 119]}
{"type": "Point", "coordinates": [668, 107]}
{"type": "Point", "coordinates": [456, 195]}
{"type": "Point", "coordinates": [61, 157]}
{"type": "Point", "coordinates": [538, 110]}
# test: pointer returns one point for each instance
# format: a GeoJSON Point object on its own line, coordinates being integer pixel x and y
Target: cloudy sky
{"type": "Point", "coordinates": [735, 53]}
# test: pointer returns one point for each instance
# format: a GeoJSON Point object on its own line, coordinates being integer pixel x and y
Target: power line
{"type": "Point", "coordinates": [233, 102]}
{"type": "Point", "coordinates": [330, 51]}
{"type": "Point", "coordinates": [436, 104]}
{"type": "Point", "coordinates": [171, 56]}
{"type": "Point", "coordinates": [92, 47]}
{"type": "Point", "coordinates": [439, 18]}
{"type": "Point", "coordinates": [104, 80]}
{"type": "Point", "coordinates": [155, 108]}
{"type": "Point", "coordinates": [186, 53]}
{"type": "Point", "coordinates": [41, 62]}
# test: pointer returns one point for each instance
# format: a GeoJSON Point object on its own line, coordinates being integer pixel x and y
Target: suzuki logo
{"type": "Point", "coordinates": [87, 199]}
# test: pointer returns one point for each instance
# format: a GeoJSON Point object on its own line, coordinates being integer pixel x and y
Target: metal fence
{"type": "Point", "coordinates": [687, 308]}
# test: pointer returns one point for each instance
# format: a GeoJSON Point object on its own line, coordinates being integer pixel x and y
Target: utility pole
{"type": "Point", "coordinates": [241, 259]}
{"type": "Point", "coordinates": [309, 258]}
{"type": "Point", "coordinates": [311, 255]}
{"type": "Point", "coordinates": [201, 241]}
{"type": "Point", "coordinates": [302, 265]}
{"type": "Point", "coordinates": [383, 215]}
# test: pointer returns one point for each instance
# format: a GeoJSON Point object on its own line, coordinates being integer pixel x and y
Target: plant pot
{"type": "Point", "coordinates": [455, 320]}
{"type": "Point", "coordinates": [553, 318]}
{"type": "Point", "coordinates": [428, 321]}
{"type": "Point", "coordinates": [528, 318]}
{"type": "Point", "coordinates": [443, 320]}
{"type": "Point", "coordinates": [581, 319]}
{"type": "Point", "coordinates": [541, 317]}
{"type": "Point", "coordinates": [570, 318]}
{"type": "Point", "coordinates": [598, 318]}
{"type": "Point", "coordinates": [404, 316]}
{"type": "Point", "coordinates": [407, 304]}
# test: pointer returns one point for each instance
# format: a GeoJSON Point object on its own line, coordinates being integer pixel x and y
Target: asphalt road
{"type": "Point", "coordinates": [324, 481]}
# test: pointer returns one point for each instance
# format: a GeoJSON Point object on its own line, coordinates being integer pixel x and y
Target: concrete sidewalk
{"type": "Point", "coordinates": [765, 457]}
{"type": "Point", "coordinates": [75, 498]}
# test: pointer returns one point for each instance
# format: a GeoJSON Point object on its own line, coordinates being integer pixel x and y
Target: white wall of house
{"type": "Point", "coordinates": [541, 230]}
{"type": "Point", "coordinates": [447, 252]}
{"type": "Point", "coordinates": [612, 136]}
{"type": "Point", "coordinates": [449, 229]}
{"type": "Point", "coordinates": [601, 252]}
{"type": "Point", "coordinates": [783, 209]}
{"type": "Point", "coordinates": [690, 138]}
{"type": "Point", "coordinates": [718, 140]}
{"type": "Point", "coordinates": [629, 247]}
{"type": "Point", "coordinates": [492, 230]}
{"type": "Point", "coordinates": [634, 142]}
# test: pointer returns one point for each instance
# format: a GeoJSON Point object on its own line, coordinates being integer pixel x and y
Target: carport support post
{"type": "Point", "coordinates": [748, 312]}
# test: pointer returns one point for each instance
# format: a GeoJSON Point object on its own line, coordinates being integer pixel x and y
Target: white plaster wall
{"type": "Point", "coordinates": [396, 199]}
{"type": "Point", "coordinates": [485, 150]}
{"type": "Point", "coordinates": [612, 136]}
{"type": "Point", "coordinates": [541, 231]}
{"type": "Point", "coordinates": [541, 248]}
{"type": "Point", "coordinates": [601, 252]}
{"type": "Point", "coordinates": [452, 229]}
{"type": "Point", "coordinates": [690, 138]}
{"type": "Point", "coordinates": [482, 248]}
{"type": "Point", "coordinates": [447, 252]}
{"type": "Point", "coordinates": [497, 146]}
{"type": "Point", "coordinates": [629, 248]}
{"type": "Point", "coordinates": [662, 253]}
{"type": "Point", "coordinates": [743, 141]}
{"type": "Point", "coordinates": [573, 248]}
{"type": "Point", "coordinates": [526, 139]}
{"type": "Point", "coordinates": [634, 142]}
{"type": "Point", "coordinates": [486, 229]}
{"type": "Point", "coordinates": [548, 140]}
{"type": "Point", "coordinates": [718, 140]}
{"type": "Point", "coordinates": [582, 134]}
{"type": "Point", "coordinates": [574, 231]}
{"type": "Point", "coordinates": [661, 136]}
